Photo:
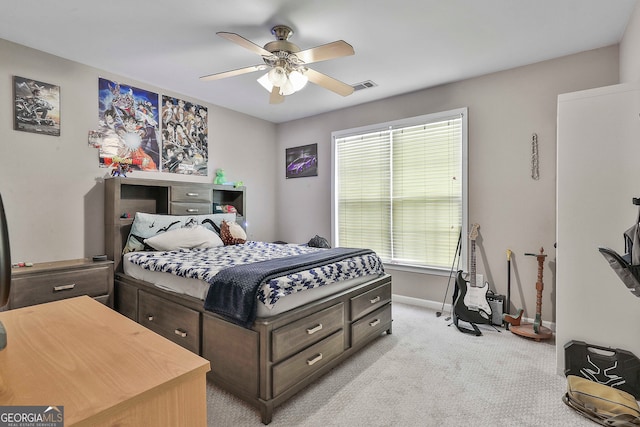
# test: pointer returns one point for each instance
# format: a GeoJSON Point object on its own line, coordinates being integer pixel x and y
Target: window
{"type": "Point", "coordinates": [399, 188]}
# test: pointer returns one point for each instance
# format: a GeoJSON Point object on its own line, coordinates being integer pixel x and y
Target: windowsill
{"type": "Point", "coordinates": [417, 269]}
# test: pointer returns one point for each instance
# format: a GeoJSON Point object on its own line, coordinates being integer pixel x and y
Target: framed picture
{"type": "Point", "coordinates": [302, 161]}
{"type": "Point", "coordinates": [36, 106]}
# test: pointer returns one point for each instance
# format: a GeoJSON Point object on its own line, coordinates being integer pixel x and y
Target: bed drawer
{"type": "Point", "coordinates": [183, 208]}
{"type": "Point", "coordinates": [191, 194]}
{"type": "Point", "coordinates": [305, 363]}
{"type": "Point", "coordinates": [304, 332]}
{"type": "Point", "coordinates": [370, 301]}
{"type": "Point", "coordinates": [373, 324]}
{"type": "Point", "coordinates": [175, 322]}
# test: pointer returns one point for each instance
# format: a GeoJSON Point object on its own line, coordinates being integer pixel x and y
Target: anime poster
{"type": "Point", "coordinates": [36, 106]}
{"type": "Point", "coordinates": [128, 127]}
{"type": "Point", "coordinates": [184, 137]}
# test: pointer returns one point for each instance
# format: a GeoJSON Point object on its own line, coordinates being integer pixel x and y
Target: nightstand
{"type": "Point", "coordinates": [51, 281]}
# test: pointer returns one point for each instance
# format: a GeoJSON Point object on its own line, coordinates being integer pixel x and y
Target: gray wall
{"type": "Point", "coordinates": [54, 199]}
{"type": "Point", "coordinates": [630, 49]}
{"type": "Point", "coordinates": [51, 186]}
{"type": "Point", "coordinates": [514, 211]}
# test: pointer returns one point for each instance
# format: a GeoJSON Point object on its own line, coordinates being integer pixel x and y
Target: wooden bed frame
{"type": "Point", "coordinates": [274, 359]}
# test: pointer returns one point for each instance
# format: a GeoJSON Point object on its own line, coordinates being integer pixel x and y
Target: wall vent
{"type": "Point", "coordinates": [368, 84]}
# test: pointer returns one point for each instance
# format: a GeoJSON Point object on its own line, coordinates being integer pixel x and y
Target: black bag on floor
{"type": "Point", "coordinates": [613, 367]}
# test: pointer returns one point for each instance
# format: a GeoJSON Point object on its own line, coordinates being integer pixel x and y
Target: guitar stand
{"type": "Point", "coordinates": [535, 330]}
{"type": "Point", "coordinates": [475, 331]}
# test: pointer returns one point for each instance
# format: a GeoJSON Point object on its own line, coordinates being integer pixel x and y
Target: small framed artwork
{"type": "Point", "coordinates": [302, 161]}
{"type": "Point", "coordinates": [36, 106]}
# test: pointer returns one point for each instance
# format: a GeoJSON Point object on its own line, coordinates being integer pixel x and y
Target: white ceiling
{"type": "Point", "coordinates": [401, 45]}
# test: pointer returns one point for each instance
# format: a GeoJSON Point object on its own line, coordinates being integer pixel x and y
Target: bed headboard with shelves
{"type": "Point", "coordinates": [126, 196]}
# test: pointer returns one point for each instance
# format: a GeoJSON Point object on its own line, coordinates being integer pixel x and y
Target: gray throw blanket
{"type": "Point", "coordinates": [233, 291]}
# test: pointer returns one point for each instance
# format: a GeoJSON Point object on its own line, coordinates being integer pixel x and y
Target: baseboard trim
{"type": "Point", "coordinates": [421, 302]}
{"type": "Point", "coordinates": [447, 307]}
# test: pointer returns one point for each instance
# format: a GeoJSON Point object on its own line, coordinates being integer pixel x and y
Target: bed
{"type": "Point", "coordinates": [303, 323]}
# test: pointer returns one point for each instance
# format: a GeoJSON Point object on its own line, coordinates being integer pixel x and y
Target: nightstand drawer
{"type": "Point", "coordinates": [302, 333]}
{"type": "Point", "coordinates": [30, 289]}
{"type": "Point", "coordinates": [372, 324]}
{"type": "Point", "coordinates": [370, 301]}
{"type": "Point", "coordinates": [174, 322]}
{"type": "Point", "coordinates": [305, 363]}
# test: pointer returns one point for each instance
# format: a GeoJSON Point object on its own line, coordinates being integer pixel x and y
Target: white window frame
{"type": "Point", "coordinates": [412, 121]}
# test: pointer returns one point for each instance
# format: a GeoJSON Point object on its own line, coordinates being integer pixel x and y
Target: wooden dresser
{"type": "Point", "coordinates": [103, 368]}
{"type": "Point", "coordinates": [52, 281]}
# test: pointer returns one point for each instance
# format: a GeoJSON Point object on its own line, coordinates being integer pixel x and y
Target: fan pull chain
{"type": "Point", "coordinates": [535, 172]}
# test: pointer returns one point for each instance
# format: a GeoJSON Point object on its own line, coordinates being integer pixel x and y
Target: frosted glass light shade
{"type": "Point", "coordinates": [287, 88]}
{"type": "Point", "coordinates": [298, 80]}
{"type": "Point", "coordinates": [266, 83]}
{"type": "Point", "coordinates": [277, 76]}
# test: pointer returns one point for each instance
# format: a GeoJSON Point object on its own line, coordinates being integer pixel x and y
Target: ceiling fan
{"type": "Point", "coordinates": [287, 64]}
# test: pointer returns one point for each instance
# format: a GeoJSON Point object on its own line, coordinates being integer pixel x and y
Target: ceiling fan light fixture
{"type": "Point", "coordinates": [298, 80]}
{"type": "Point", "coordinates": [287, 88]}
{"type": "Point", "coordinates": [278, 76]}
{"type": "Point", "coordinates": [265, 82]}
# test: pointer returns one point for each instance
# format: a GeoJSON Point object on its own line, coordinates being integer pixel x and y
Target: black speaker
{"type": "Point", "coordinates": [496, 302]}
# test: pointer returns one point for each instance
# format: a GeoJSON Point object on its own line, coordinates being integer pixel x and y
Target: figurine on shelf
{"type": "Point", "coordinates": [121, 169]}
{"type": "Point", "coordinates": [219, 177]}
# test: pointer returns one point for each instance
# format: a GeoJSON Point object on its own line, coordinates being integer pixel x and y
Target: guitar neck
{"type": "Point", "coordinates": [472, 280]}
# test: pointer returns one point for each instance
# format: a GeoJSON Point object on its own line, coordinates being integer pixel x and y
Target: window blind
{"type": "Point", "coordinates": [399, 190]}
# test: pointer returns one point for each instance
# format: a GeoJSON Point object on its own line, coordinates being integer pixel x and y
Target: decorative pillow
{"type": "Point", "coordinates": [232, 234]}
{"type": "Point", "coordinates": [185, 238]}
{"type": "Point", "coordinates": [147, 225]}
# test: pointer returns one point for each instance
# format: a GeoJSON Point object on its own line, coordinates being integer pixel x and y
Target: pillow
{"type": "Point", "coordinates": [147, 225]}
{"type": "Point", "coordinates": [232, 233]}
{"type": "Point", "coordinates": [184, 238]}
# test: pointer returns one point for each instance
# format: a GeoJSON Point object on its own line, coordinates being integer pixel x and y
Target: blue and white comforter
{"type": "Point", "coordinates": [204, 264]}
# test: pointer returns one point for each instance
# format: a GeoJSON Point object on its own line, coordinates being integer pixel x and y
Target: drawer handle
{"type": "Point", "coordinates": [375, 300]}
{"type": "Point", "coordinates": [315, 359]}
{"type": "Point", "coordinates": [64, 287]}
{"type": "Point", "coordinates": [193, 210]}
{"type": "Point", "coordinates": [180, 333]}
{"type": "Point", "coordinates": [314, 329]}
{"type": "Point", "coordinates": [374, 323]}
{"type": "Point", "coordinates": [150, 317]}
{"type": "Point", "coordinates": [192, 194]}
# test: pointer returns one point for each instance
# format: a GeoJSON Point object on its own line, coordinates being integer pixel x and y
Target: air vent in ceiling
{"type": "Point", "coordinates": [364, 85]}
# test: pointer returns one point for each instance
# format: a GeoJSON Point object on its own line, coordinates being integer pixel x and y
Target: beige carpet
{"type": "Point", "coordinates": [425, 374]}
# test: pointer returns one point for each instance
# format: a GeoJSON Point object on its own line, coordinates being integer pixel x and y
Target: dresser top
{"type": "Point", "coordinates": [80, 354]}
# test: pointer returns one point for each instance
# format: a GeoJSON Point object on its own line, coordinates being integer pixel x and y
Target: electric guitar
{"type": "Point", "coordinates": [470, 299]}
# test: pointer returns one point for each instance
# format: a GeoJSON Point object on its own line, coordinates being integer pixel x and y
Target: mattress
{"type": "Point", "coordinates": [198, 288]}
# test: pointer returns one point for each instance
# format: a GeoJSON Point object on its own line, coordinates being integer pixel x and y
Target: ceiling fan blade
{"type": "Point", "coordinates": [232, 73]}
{"type": "Point", "coordinates": [336, 49]}
{"type": "Point", "coordinates": [247, 44]}
{"type": "Point", "coordinates": [275, 97]}
{"type": "Point", "coordinates": [328, 82]}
